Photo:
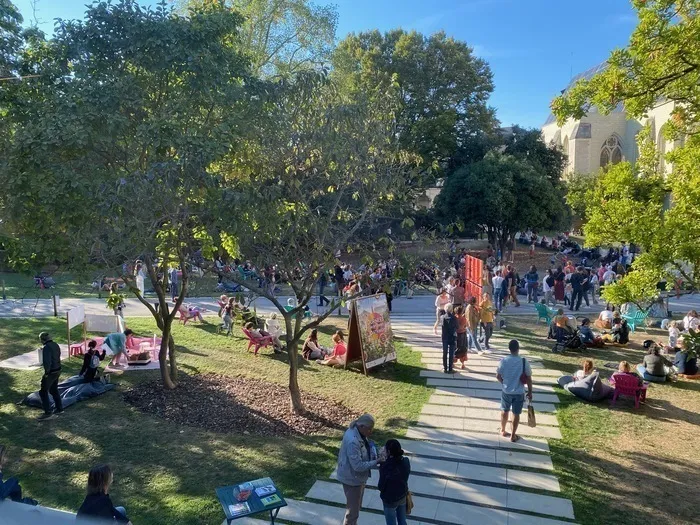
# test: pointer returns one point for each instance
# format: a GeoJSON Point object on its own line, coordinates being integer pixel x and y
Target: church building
{"type": "Point", "coordinates": [598, 140]}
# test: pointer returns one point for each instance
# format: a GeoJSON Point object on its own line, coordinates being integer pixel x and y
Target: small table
{"type": "Point", "coordinates": [228, 496]}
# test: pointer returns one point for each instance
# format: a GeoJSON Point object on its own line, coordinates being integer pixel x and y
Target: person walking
{"type": "Point", "coordinates": [486, 312]}
{"type": "Point", "coordinates": [473, 319]}
{"type": "Point", "coordinates": [322, 281]}
{"type": "Point", "coordinates": [355, 460]}
{"type": "Point", "coordinates": [449, 338]}
{"type": "Point", "coordinates": [498, 297]}
{"type": "Point", "coordinates": [512, 279]}
{"type": "Point", "coordinates": [514, 372]}
{"type": "Point", "coordinates": [393, 483]}
{"type": "Point", "coordinates": [51, 357]}
{"type": "Point", "coordinates": [548, 288]}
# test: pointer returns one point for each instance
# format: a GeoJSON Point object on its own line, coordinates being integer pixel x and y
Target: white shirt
{"type": "Point", "coordinates": [347, 275]}
{"type": "Point", "coordinates": [608, 277]}
{"type": "Point", "coordinates": [545, 287]}
{"type": "Point", "coordinates": [497, 281]}
{"type": "Point", "coordinates": [441, 302]}
{"type": "Point", "coordinates": [691, 322]}
{"type": "Point", "coordinates": [606, 315]}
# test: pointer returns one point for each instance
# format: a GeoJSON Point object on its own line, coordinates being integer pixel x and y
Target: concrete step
{"type": "Point", "coordinates": [435, 370]}
{"type": "Point", "coordinates": [479, 413]}
{"type": "Point", "coordinates": [445, 387]}
{"type": "Point", "coordinates": [481, 425]}
{"type": "Point", "coordinates": [495, 404]}
{"type": "Point", "coordinates": [477, 439]}
{"type": "Point", "coordinates": [459, 381]}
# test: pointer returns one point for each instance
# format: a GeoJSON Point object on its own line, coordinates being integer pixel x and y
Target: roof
{"type": "Point", "coordinates": [586, 75]}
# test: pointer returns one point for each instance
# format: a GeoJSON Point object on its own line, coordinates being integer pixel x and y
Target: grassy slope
{"type": "Point", "coordinates": [621, 465]}
{"type": "Point", "coordinates": [165, 473]}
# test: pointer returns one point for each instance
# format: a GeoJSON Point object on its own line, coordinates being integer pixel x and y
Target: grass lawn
{"type": "Point", "coordinates": [622, 465]}
{"type": "Point", "coordinates": [166, 473]}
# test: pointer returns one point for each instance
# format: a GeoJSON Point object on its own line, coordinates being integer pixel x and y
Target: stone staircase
{"type": "Point", "coordinates": [462, 471]}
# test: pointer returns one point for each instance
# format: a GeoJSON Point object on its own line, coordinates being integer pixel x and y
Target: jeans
{"type": "Point", "coordinates": [49, 385]}
{"type": "Point", "coordinates": [448, 353]}
{"type": "Point", "coordinates": [473, 340]}
{"type": "Point", "coordinates": [576, 298]}
{"type": "Point", "coordinates": [531, 292]}
{"type": "Point", "coordinates": [497, 298]}
{"type": "Point", "coordinates": [549, 298]}
{"type": "Point", "coordinates": [648, 377]}
{"type": "Point", "coordinates": [395, 515]}
{"type": "Point", "coordinates": [174, 290]}
{"type": "Point", "coordinates": [488, 332]}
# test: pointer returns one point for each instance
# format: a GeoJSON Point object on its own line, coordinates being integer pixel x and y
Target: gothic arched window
{"type": "Point", "coordinates": [611, 152]}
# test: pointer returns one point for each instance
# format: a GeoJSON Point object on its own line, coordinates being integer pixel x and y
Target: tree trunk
{"type": "Point", "coordinates": [295, 402]}
{"type": "Point", "coordinates": [165, 371]}
{"type": "Point", "coordinates": [171, 357]}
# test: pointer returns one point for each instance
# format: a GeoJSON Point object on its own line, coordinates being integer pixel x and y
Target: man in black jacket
{"type": "Point", "coordinates": [51, 354]}
{"type": "Point", "coordinates": [577, 282]}
{"type": "Point", "coordinates": [449, 339]}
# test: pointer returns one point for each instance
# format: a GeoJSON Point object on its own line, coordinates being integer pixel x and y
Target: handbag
{"type": "Point", "coordinates": [523, 376]}
{"type": "Point", "coordinates": [531, 421]}
{"type": "Point", "coordinates": [409, 502]}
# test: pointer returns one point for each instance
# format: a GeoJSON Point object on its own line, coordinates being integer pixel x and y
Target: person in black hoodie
{"type": "Point", "coordinates": [97, 503]}
{"type": "Point", "coordinates": [91, 362]}
{"type": "Point", "coordinates": [51, 356]}
{"type": "Point", "coordinates": [449, 339]}
{"type": "Point", "coordinates": [393, 483]}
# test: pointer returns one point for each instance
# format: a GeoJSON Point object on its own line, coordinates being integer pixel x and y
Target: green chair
{"type": "Point", "coordinates": [543, 313]}
{"type": "Point", "coordinates": [638, 317]}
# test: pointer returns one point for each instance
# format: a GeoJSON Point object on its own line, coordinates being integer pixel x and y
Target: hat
{"type": "Point", "coordinates": [44, 337]}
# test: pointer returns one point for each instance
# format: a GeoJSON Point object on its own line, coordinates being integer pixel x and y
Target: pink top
{"type": "Point", "coordinates": [339, 350]}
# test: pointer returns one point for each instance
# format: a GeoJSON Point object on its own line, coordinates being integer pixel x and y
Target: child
{"type": "Point", "coordinates": [673, 334]}
{"type": "Point", "coordinates": [97, 504]}
{"type": "Point", "coordinates": [227, 317]}
{"type": "Point", "coordinates": [532, 250]}
{"type": "Point", "coordinates": [91, 362]}
{"type": "Point", "coordinates": [624, 368]}
{"type": "Point", "coordinates": [568, 289]}
{"type": "Point", "coordinates": [222, 302]}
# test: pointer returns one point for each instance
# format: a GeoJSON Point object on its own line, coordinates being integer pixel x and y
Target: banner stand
{"type": "Point", "coordinates": [354, 352]}
{"type": "Point", "coordinates": [370, 337]}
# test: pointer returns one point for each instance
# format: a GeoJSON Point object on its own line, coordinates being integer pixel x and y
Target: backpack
{"type": "Point", "coordinates": [95, 361]}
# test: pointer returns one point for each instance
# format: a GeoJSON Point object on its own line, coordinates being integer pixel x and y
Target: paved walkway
{"type": "Point", "coordinates": [463, 472]}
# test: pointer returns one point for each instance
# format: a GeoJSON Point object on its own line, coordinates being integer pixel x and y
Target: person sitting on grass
{"type": "Point", "coordinates": [620, 333]}
{"type": "Point", "coordinates": [625, 369]}
{"type": "Point", "coordinates": [337, 358]}
{"type": "Point", "coordinates": [654, 367]}
{"type": "Point", "coordinates": [587, 369]}
{"type": "Point", "coordinates": [605, 319]}
{"type": "Point", "coordinates": [11, 488]}
{"type": "Point", "coordinates": [91, 362]}
{"type": "Point", "coordinates": [97, 504]}
{"type": "Point", "coordinates": [685, 362]}
{"type": "Point", "coordinates": [311, 350]}
{"type": "Point", "coordinates": [588, 337]}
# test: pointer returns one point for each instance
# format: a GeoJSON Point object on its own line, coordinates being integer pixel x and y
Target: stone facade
{"type": "Point", "coordinates": [597, 140]}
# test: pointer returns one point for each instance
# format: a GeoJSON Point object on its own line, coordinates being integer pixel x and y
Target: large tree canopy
{"type": "Point", "coordinates": [283, 37]}
{"type": "Point", "coordinates": [442, 87]}
{"type": "Point", "coordinates": [500, 195]}
{"type": "Point", "coordinates": [661, 64]}
{"type": "Point", "coordinates": [114, 139]}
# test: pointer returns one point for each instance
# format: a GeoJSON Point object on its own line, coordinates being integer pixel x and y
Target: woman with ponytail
{"type": "Point", "coordinates": [393, 483]}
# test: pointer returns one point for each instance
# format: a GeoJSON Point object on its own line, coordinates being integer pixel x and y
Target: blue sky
{"type": "Point", "coordinates": [533, 46]}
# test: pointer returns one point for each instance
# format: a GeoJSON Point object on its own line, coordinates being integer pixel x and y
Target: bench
{"type": "Point", "coordinates": [638, 317]}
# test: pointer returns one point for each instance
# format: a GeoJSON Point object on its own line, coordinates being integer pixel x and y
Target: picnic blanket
{"type": "Point", "coordinates": [71, 390]}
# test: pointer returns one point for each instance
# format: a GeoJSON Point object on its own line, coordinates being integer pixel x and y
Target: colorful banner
{"type": "Point", "coordinates": [372, 335]}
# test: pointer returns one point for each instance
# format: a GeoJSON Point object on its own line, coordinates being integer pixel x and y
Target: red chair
{"type": "Point", "coordinates": [628, 385]}
{"type": "Point", "coordinates": [259, 342]}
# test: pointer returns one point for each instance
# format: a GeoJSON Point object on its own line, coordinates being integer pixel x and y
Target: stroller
{"type": "Point", "coordinates": [565, 339]}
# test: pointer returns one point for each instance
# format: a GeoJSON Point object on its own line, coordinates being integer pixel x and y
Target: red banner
{"type": "Point", "coordinates": [473, 277]}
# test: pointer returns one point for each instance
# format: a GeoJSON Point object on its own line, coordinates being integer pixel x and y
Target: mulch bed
{"type": "Point", "coordinates": [237, 405]}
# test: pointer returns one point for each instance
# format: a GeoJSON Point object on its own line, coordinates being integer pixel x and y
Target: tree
{"type": "Point", "coordinates": [320, 177]}
{"type": "Point", "coordinates": [662, 61]}
{"type": "Point", "coordinates": [500, 195]}
{"type": "Point", "coordinates": [528, 145]}
{"type": "Point", "coordinates": [284, 37]}
{"type": "Point", "coordinates": [443, 89]}
{"type": "Point", "coordinates": [10, 38]}
{"type": "Point", "coordinates": [116, 138]}
{"type": "Point", "coordinates": [578, 187]}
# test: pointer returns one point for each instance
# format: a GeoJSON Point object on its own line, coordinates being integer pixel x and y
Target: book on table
{"type": "Point", "coordinates": [270, 500]}
{"type": "Point", "coordinates": [265, 490]}
{"type": "Point", "coordinates": [239, 509]}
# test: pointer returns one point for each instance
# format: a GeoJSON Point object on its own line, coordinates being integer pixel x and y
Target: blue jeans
{"type": "Point", "coordinates": [648, 377]}
{"type": "Point", "coordinates": [448, 353]}
{"type": "Point", "coordinates": [532, 292]}
{"type": "Point", "coordinates": [473, 340]}
{"type": "Point", "coordinates": [395, 515]}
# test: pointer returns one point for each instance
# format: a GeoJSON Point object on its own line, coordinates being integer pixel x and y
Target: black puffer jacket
{"type": "Point", "coordinates": [393, 479]}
